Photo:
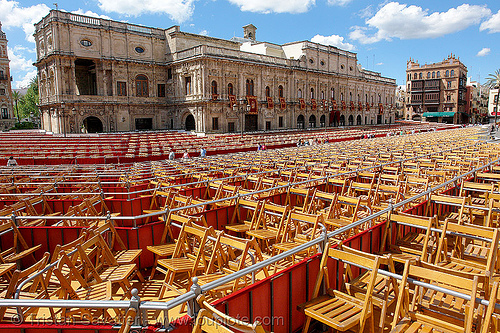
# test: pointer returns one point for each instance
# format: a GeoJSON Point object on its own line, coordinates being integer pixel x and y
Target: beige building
{"type": "Point", "coordinates": [437, 91]}
{"type": "Point", "coordinates": [7, 117]}
{"type": "Point", "coordinates": [101, 75]}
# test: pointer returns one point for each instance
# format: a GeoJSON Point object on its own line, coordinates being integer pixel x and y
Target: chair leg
{"type": "Point", "coordinates": [305, 329]}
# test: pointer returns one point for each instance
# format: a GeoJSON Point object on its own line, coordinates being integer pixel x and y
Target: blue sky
{"type": "Point", "coordinates": [383, 34]}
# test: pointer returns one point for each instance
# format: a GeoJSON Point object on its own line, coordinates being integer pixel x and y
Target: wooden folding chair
{"type": "Point", "coordinates": [436, 311]}
{"type": "Point", "coordinates": [19, 248]}
{"type": "Point", "coordinates": [271, 226]}
{"type": "Point", "coordinates": [245, 216]}
{"type": "Point", "coordinates": [338, 309]}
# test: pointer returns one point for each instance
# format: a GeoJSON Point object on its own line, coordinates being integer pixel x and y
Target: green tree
{"type": "Point", "coordinates": [493, 81]}
{"type": "Point", "coordinates": [16, 96]}
{"type": "Point", "coordinates": [29, 103]}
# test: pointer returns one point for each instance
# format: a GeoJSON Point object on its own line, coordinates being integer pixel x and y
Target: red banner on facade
{"type": "Point", "coordinates": [367, 106]}
{"type": "Point", "coordinates": [334, 104]}
{"type": "Point", "coordinates": [232, 100]}
{"type": "Point", "coordinates": [252, 101]}
{"type": "Point", "coordinates": [302, 103]}
{"type": "Point", "coordinates": [282, 103]}
{"type": "Point", "coordinates": [270, 103]}
{"type": "Point", "coordinates": [314, 106]}
{"type": "Point", "coordinates": [323, 103]}
{"type": "Point", "coordinates": [352, 105]}
{"type": "Point", "coordinates": [380, 108]}
{"type": "Point", "coordinates": [360, 106]}
{"type": "Point", "coordinates": [343, 106]}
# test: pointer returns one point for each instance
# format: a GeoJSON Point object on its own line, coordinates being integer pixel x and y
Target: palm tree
{"type": "Point", "coordinates": [16, 96]}
{"type": "Point", "coordinates": [493, 81]}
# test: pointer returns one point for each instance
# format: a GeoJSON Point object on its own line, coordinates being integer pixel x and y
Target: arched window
{"type": "Point", "coordinates": [312, 93]}
{"type": "Point", "coordinates": [428, 75]}
{"type": "Point", "coordinates": [414, 76]}
{"type": "Point", "coordinates": [250, 87]}
{"type": "Point", "coordinates": [420, 75]}
{"type": "Point", "coordinates": [332, 91]}
{"type": "Point", "coordinates": [433, 75]}
{"type": "Point", "coordinates": [447, 73]}
{"type": "Point", "coordinates": [379, 98]}
{"type": "Point", "coordinates": [359, 98]}
{"type": "Point", "coordinates": [452, 73]}
{"type": "Point", "coordinates": [141, 86]}
{"type": "Point", "coordinates": [372, 99]}
{"type": "Point", "coordinates": [214, 87]}
{"type": "Point", "coordinates": [409, 77]}
{"type": "Point", "coordinates": [268, 92]}
{"type": "Point", "coordinates": [366, 98]}
{"type": "Point", "coordinates": [322, 94]}
{"type": "Point", "coordinates": [341, 96]}
{"type": "Point", "coordinates": [230, 90]}
{"type": "Point", "coordinates": [438, 75]}
{"type": "Point", "coordinates": [350, 96]}
{"type": "Point", "coordinates": [299, 93]}
{"type": "Point", "coordinates": [280, 91]}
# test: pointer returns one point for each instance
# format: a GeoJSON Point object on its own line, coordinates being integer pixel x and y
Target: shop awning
{"type": "Point", "coordinates": [438, 114]}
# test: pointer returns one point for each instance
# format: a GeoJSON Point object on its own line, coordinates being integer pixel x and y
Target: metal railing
{"type": "Point", "coordinates": [196, 290]}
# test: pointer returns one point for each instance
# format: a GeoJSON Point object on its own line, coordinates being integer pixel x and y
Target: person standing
{"type": "Point", "coordinates": [203, 152]}
{"type": "Point", "coordinates": [185, 155]}
{"type": "Point", "coordinates": [11, 161]}
{"type": "Point", "coordinates": [171, 156]}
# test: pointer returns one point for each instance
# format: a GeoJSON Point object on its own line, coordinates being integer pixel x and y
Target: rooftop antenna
{"type": "Point", "coordinates": [55, 4]}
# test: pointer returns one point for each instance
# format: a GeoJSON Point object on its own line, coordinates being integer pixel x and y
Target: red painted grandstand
{"type": "Point", "coordinates": [393, 233]}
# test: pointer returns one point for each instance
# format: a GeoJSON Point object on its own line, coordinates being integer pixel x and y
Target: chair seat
{"type": "Point", "coordinates": [127, 256]}
{"type": "Point", "coordinates": [118, 273]}
{"type": "Point", "coordinates": [264, 234]}
{"type": "Point", "coordinates": [16, 256]}
{"type": "Point", "coordinates": [338, 312]}
{"type": "Point", "coordinates": [178, 265]}
{"type": "Point", "coordinates": [238, 227]}
{"type": "Point", "coordinates": [4, 268]}
{"type": "Point", "coordinates": [165, 250]}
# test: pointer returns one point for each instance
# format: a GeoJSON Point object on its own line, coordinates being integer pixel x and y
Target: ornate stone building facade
{"type": "Point", "coordinates": [437, 91]}
{"type": "Point", "coordinates": [7, 116]}
{"type": "Point", "coordinates": [101, 75]}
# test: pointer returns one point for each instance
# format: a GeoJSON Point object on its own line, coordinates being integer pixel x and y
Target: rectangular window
{"type": "Point", "coordinates": [2, 91]}
{"type": "Point", "coordinates": [215, 123]}
{"type": "Point", "coordinates": [230, 127]}
{"type": "Point", "coordinates": [169, 74]}
{"type": "Point", "coordinates": [161, 90]}
{"type": "Point", "coordinates": [5, 113]}
{"type": "Point", "coordinates": [187, 85]}
{"type": "Point", "coordinates": [448, 84]}
{"type": "Point", "coordinates": [280, 121]}
{"type": "Point", "coordinates": [121, 88]}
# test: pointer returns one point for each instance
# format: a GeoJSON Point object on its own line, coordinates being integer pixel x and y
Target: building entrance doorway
{"type": "Point", "coordinates": [251, 123]}
{"type": "Point", "coordinates": [92, 125]}
{"type": "Point", "coordinates": [144, 124]}
{"type": "Point", "coordinates": [190, 123]}
{"type": "Point", "coordinates": [379, 119]}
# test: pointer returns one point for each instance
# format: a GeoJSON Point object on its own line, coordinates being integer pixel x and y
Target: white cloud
{"type": "Point", "coordinates": [334, 40]}
{"type": "Point", "coordinates": [14, 16]}
{"type": "Point", "coordinates": [492, 24]}
{"type": "Point", "coordinates": [177, 10]}
{"type": "Point", "coordinates": [379, 64]}
{"type": "Point", "coordinates": [80, 11]}
{"type": "Point", "coordinates": [484, 52]}
{"type": "Point", "coordinates": [17, 61]}
{"type": "Point", "coordinates": [395, 20]}
{"type": "Point", "coordinates": [339, 2]}
{"type": "Point", "coordinates": [275, 6]}
{"type": "Point", "coordinates": [25, 81]}
{"type": "Point", "coordinates": [203, 33]}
